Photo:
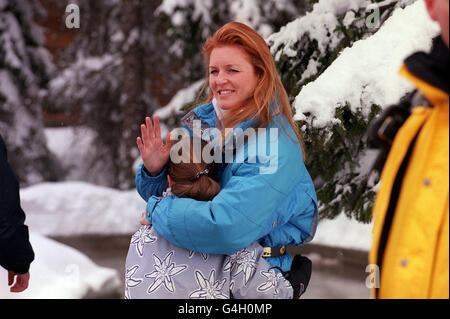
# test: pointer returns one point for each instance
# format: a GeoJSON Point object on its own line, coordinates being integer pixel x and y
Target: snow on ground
{"type": "Point", "coordinates": [77, 208]}
{"type": "Point", "coordinates": [343, 232]}
{"type": "Point", "coordinates": [74, 208]}
{"type": "Point", "coordinates": [366, 72]}
{"type": "Point", "coordinates": [59, 271]}
{"type": "Point", "coordinates": [70, 209]}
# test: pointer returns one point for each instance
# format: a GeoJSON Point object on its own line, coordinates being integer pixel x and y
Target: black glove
{"type": "Point", "coordinates": [299, 275]}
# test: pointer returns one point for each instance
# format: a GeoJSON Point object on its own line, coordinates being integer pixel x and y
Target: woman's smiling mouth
{"type": "Point", "coordinates": [225, 92]}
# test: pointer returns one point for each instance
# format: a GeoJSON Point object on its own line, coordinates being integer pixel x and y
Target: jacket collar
{"type": "Point", "coordinates": [207, 115]}
{"type": "Point", "coordinates": [428, 71]}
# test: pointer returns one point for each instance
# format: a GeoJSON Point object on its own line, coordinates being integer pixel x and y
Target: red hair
{"type": "Point", "coordinates": [269, 90]}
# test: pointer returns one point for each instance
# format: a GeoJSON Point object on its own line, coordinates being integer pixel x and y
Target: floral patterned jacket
{"type": "Point", "coordinates": [157, 269]}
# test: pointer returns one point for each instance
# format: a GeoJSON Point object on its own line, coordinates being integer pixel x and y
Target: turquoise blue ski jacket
{"type": "Point", "coordinates": [267, 196]}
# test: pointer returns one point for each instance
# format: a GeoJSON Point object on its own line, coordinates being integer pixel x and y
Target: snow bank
{"type": "Point", "coordinates": [343, 232]}
{"type": "Point", "coordinates": [77, 208]}
{"type": "Point", "coordinates": [59, 271]}
{"type": "Point", "coordinates": [367, 73]}
{"type": "Point", "coordinates": [72, 208]}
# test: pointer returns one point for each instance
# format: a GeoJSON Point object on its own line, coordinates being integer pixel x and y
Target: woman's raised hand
{"type": "Point", "coordinates": [154, 152]}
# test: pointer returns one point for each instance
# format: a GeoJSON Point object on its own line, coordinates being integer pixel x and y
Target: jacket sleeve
{"type": "Point", "coordinates": [252, 277]}
{"type": "Point", "coordinates": [16, 252]}
{"type": "Point", "coordinates": [148, 185]}
{"type": "Point", "coordinates": [242, 212]}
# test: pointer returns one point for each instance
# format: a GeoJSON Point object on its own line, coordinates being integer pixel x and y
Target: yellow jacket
{"type": "Point", "coordinates": [415, 262]}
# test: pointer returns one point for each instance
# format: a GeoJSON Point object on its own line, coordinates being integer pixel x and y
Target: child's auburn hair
{"type": "Point", "coordinates": [195, 178]}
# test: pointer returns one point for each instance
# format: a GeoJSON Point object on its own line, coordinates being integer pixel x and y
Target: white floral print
{"type": "Point", "coordinates": [204, 256]}
{"type": "Point", "coordinates": [243, 261]}
{"type": "Point", "coordinates": [156, 268]}
{"type": "Point", "coordinates": [273, 278]}
{"type": "Point", "coordinates": [141, 237]}
{"type": "Point", "coordinates": [209, 288]}
{"type": "Point", "coordinates": [164, 271]}
{"type": "Point", "coordinates": [131, 282]}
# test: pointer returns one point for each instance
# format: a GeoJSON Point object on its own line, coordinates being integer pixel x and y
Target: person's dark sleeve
{"type": "Point", "coordinates": [16, 253]}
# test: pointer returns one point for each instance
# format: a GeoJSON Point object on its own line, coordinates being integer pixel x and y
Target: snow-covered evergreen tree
{"type": "Point", "coordinates": [307, 46]}
{"type": "Point", "coordinates": [116, 73]}
{"type": "Point", "coordinates": [110, 74]}
{"type": "Point", "coordinates": [189, 23]}
{"type": "Point", "coordinates": [339, 65]}
{"type": "Point", "coordinates": [25, 68]}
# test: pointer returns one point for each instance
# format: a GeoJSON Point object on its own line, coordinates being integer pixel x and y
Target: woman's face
{"type": "Point", "coordinates": [232, 76]}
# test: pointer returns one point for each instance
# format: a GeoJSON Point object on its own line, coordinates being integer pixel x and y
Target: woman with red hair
{"type": "Point", "coordinates": [266, 198]}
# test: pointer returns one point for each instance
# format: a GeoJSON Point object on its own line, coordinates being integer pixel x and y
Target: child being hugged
{"type": "Point", "coordinates": [157, 269]}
